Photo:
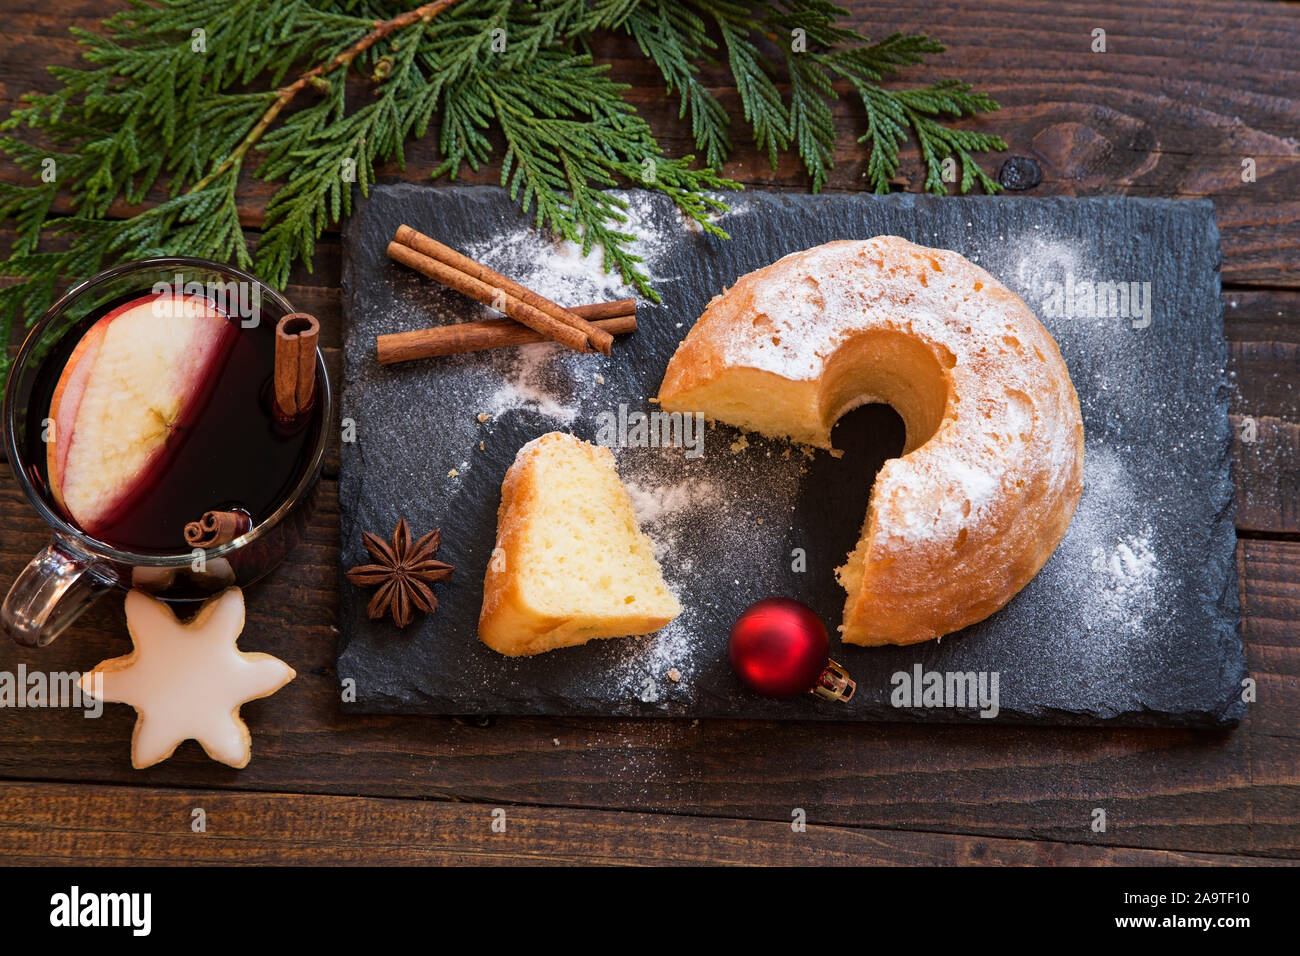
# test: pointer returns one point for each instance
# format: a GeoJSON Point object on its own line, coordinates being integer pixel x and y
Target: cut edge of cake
{"type": "Point", "coordinates": [571, 563]}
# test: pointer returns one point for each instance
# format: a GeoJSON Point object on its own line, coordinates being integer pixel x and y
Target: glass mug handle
{"type": "Point", "coordinates": [50, 593]}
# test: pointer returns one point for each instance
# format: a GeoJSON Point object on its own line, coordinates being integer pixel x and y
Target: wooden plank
{"type": "Point", "coordinates": [42, 824]}
{"type": "Point", "coordinates": [1269, 575]}
{"type": "Point", "coordinates": [1263, 330]}
{"type": "Point", "coordinates": [1183, 93]}
{"type": "Point", "coordinates": [1266, 469]}
{"type": "Point", "coordinates": [1225, 792]}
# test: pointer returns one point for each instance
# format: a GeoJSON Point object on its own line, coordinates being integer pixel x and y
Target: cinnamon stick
{"type": "Point", "coordinates": [217, 528]}
{"type": "Point", "coordinates": [618, 309]}
{"type": "Point", "coordinates": [295, 363]}
{"type": "Point", "coordinates": [600, 340]}
{"type": "Point", "coordinates": [615, 318]}
{"type": "Point", "coordinates": [546, 325]}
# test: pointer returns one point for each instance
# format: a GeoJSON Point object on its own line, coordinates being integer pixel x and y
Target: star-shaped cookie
{"type": "Point", "coordinates": [187, 680]}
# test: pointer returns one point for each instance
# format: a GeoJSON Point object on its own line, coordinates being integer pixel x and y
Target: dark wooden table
{"type": "Point", "coordinates": [1184, 93]}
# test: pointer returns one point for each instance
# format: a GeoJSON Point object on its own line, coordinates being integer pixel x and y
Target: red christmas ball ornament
{"type": "Point", "coordinates": [779, 648]}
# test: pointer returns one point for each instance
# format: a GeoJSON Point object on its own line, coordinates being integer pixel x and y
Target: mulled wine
{"type": "Point", "coordinates": [159, 408]}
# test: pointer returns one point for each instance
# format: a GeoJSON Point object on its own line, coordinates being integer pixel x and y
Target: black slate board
{"type": "Point", "coordinates": [1134, 620]}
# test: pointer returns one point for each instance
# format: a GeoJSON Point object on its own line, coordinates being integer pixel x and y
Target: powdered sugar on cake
{"type": "Point", "coordinates": [804, 311]}
{"type": "Point", "coordinates": [1015, 415]}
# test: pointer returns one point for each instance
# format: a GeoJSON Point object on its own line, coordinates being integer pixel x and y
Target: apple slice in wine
{"type": "Point", "coordinates": [137, 376]}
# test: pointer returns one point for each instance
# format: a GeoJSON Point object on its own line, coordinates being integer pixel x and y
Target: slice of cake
{"type": "Point", "coordinates": [570, 564]}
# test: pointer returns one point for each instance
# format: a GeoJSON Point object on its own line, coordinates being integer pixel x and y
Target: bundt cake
{"type": "Point", "coordinates": [992, 465]}
{"type": "Point", "coordinates": [570, 563]}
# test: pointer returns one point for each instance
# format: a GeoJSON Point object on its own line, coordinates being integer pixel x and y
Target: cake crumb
{"type": "Point", "coordinates": [600, 379]}
{"type": "Point", "coordinates": [483, 416]}
{"type": "Point", "coordinates": [480, 446]}
{"type": "Point", "coordinates": [453, 473]}
{"type": "Point", "coordinates": [674, 674]}
{"type": "Point", "coordinates": [739, 445]}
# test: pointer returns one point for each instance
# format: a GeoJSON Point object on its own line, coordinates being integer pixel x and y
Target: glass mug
{"type": "Point", "coordinates": [76, 568]}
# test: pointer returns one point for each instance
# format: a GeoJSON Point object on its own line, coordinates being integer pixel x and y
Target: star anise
{"type": "Point", "coordinates": [403, 572]}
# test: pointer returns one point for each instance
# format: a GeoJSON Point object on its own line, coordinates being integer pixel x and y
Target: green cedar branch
{"type": "Point", "coordinates": [164, 113]}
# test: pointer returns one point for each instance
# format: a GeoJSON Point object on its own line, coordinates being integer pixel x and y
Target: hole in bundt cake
{"type": "Point", "coordinates": [834, 493]}
{"type": "Point", "coordinates": [894, 368]}
{"type": "Point", "coordinates": [900, 370]}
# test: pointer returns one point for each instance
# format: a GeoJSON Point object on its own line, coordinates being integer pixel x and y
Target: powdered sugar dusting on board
{"type": "Point", "coordinates": [1038, 265]}
{"type": "Point", "coordinates": [557, 268]}
{"type": "Point", "coordinates": [1128, 572]}
{"type": "Point", "coordinates": [665, 506]}
{"type": "Point", "coordinates": [533, 378]}
{"type": "Point", "coordinates": [1111, 548]}
{"type": "Point", "coordinates": [546, 379]}
{"type": "Point", "coordinates": [724, 505]}
{"type": "Point", "coordinates": [1107, 566]}
{"type": "Point", "coordinates": [1029, 262]}
{"type": "Point", "coordinates": [653, 665]}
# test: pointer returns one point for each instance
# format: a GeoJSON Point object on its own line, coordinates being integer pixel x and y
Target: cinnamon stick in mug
{"type": "Point", "coordinates": [295, 363]}
{"type": "Point", "coordinates": [217, 528]}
